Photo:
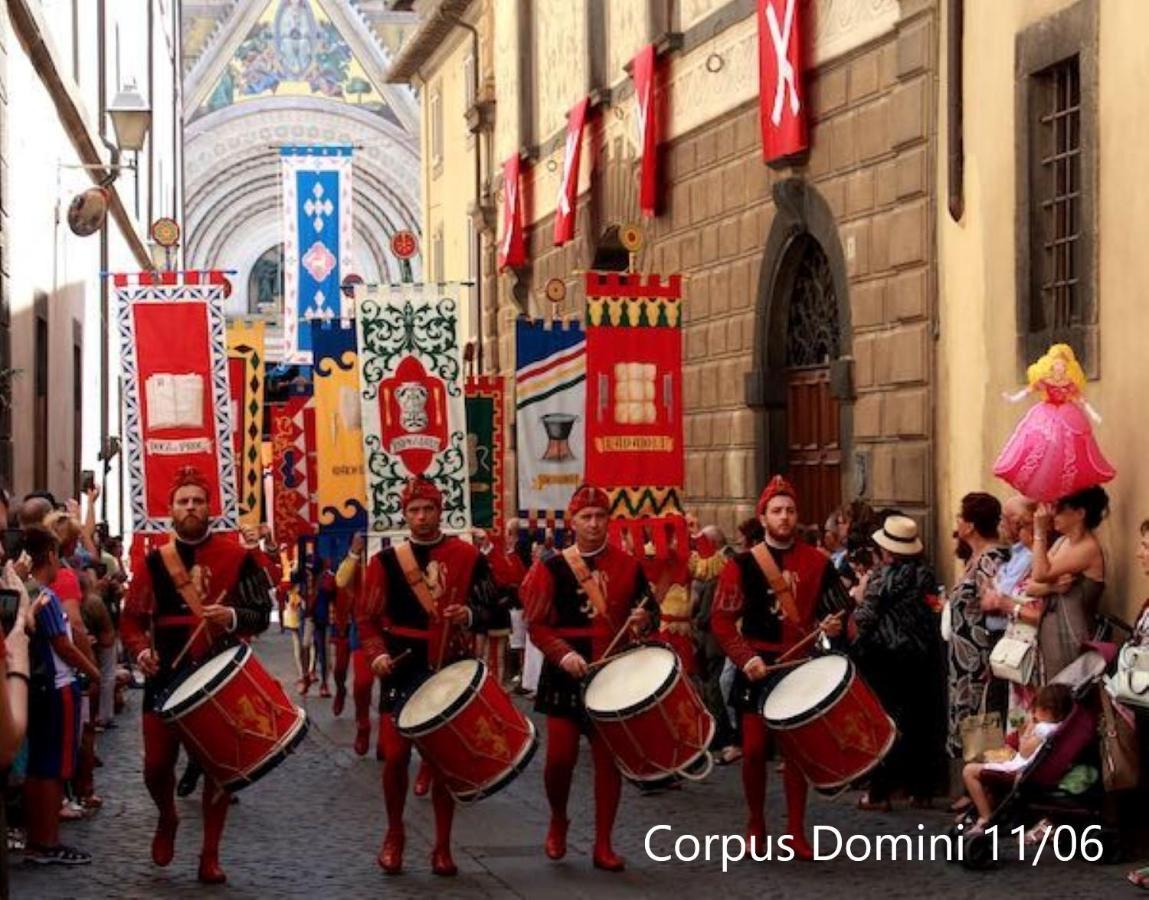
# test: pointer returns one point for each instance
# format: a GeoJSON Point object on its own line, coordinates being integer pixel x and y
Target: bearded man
{"type": "Point", "coordinates": [200, 591]}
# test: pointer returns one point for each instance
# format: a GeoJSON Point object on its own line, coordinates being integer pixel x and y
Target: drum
{"type": "Point", "coordinates": [234, 717]}
{"type": "Point", "coordinates": [650, 716]}
{"type": "Point", "coordinates": [468, 728]}
{"type": "Point", "coordinates": [828, 722]}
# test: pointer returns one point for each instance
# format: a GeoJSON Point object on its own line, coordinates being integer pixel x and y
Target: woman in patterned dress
{"type": "Point", "coordinates": [970, 641]}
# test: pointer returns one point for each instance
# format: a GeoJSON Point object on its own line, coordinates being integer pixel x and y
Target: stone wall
{"type": "Point", "coordinates": [5, 313]}
{"type": "Point", "coordinates": [872, 154]}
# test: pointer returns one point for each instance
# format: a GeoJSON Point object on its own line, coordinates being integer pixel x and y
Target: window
{"type": "Point", "coordinates": [1056, 103]}
{"type": "Point", "coordinates": [436, 136]}
{"type": "Point", "coordinates": [1057, 232]}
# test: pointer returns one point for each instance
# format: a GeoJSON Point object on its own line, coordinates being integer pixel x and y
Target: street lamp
{"type": "Point", "coordinates": [131, 118]}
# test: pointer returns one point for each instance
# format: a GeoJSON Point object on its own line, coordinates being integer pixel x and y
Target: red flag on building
{"type": "Point", "coordinates": [642, 70]}
{"type": "Point", "coordinates": [568, 189]}
{"type": "Point", "coordinates": [781, 94]}
{"type": "Point", "coordinates": [512, 245]}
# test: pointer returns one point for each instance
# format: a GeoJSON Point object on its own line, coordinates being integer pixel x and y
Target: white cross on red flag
{"type": "Point", "coordinates": [512, 244]}
{"type": "Point", "coordinates": [781, 93]}
{"type": "Point", "coordinates": [568, 189]}
{"type": "Point", "coordinates": [643, 72]}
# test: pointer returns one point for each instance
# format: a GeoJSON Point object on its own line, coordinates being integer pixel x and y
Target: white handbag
{"type": "Point", "coordinates": [947, 622]}
{"type": "Point", "coordinates": [1130, 685]}
{"type": "Point", "coordinates": [1014, 656]}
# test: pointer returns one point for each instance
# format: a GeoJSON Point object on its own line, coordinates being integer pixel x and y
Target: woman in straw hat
{"type": "Point", "coordinates": [897, 646]}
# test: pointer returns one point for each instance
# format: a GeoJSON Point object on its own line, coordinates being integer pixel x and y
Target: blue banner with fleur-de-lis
{"type": "Point", "coordinates": [317, 240]}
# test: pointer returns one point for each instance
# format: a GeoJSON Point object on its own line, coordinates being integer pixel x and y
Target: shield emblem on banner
{"type": "Point", "coordinates": [413, 411]}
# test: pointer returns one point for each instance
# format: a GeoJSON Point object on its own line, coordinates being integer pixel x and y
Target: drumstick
{"type": "Point", "coordinates": [195, 634]}
{"type": "Point", "coordinates": [806, 641]}
{"type": "Point", "coordinates": [611, 645]}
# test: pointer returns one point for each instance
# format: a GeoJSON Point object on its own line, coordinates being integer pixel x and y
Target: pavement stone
{"type": "Point", "coordinates": [312, 828]}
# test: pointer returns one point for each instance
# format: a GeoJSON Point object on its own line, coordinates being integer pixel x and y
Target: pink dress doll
{"type": "Point", "coordinates": [1052, 453]}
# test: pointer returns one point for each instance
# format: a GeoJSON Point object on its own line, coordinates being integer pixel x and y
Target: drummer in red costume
{"type": "Point", "coordinates": [159, 620]}
{"type": "Point", "coordinates": [406, 642]}
{"type": "Point", "coordinates": [773, 622]}
{"type": "Point", "coordinates": [572, 617]}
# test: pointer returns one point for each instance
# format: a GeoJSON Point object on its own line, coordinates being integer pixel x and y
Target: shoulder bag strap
{"type": "Point", "coordinates": [415, 580]}
{"type": "Point", "coordinates": [778, 584]}
{"type": "Point", "coordinates": [178, 572]}
{"type": "Point", "coordinates": [586, 580]}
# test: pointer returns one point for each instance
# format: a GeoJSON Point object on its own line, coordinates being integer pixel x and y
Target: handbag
{"type": "Point", "coordinates": [1015, 654]}
{"type": "Point", "coordinates": [947, 624]}
{"type": "Point", "coordinates": [1130, 684]}
{"type": "Point", "coordinates": [1119, 747]}
{"type": "Point", "coordinates": [981, 731]}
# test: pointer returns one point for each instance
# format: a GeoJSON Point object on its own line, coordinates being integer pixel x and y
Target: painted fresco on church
{"type": "Point", "coordinates": [295, 50]}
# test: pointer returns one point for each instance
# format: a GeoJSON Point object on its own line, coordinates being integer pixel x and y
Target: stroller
{"type": "Point", "coordinates": [1035, 794]}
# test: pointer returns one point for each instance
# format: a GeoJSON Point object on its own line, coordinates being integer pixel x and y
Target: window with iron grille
{"type": "Point", "coordinates": [1056, 149]}
{"type": "Point", "coordinates": [1056, 94]}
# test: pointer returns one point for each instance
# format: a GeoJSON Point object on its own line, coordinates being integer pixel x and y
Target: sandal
{"type": "Point", "coordinates": [961, 804]}
{"type": "Point", "coordinates": [1037, 832]}
{"type": "Point", "coordinates": [91, 803]}
{"type": "Point", "coordinates": [71, 812]}
{"type": "Point", "coordinates": [1139, 878]}
{"type": "Point", "coordinates": [59, 855]}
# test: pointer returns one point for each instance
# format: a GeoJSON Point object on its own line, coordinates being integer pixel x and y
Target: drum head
{"type": "Point", "coordinates": [202, 678]}
{"type": "Point", "coordinates": [806, 689]}
{"type": "Point", "coordinates": [438, 695]}
{"type": "Point", "coordinates": [630, 679]}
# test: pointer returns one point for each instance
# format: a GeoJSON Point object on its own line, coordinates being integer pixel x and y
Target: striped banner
{"type": "Point", "coordinates": [486, 447]}
{"type": "Point", "coordinates": [550, 410]}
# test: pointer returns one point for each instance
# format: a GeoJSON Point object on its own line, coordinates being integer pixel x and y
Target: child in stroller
{"type": "Point", "coordinates": [1032, 793]}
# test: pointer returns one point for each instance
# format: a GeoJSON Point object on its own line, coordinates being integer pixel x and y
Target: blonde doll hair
{"type": "Point", "coordinates": [1043, 368]}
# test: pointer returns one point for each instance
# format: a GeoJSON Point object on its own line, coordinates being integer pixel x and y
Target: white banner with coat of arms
{"type": "Point", "coordinates": [411, 388]}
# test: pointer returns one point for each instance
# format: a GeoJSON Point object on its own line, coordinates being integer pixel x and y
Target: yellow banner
{"type": "Point", "coordinates": [341, 492]}
{"type": "Point", "coordinates": [245, 349]}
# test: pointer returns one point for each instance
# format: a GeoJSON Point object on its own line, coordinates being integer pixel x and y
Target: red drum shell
{"type": "Point", "coordinates": [239, 723]}
{"type": "Point", "coordinates": [837, 741]}
{"type": "Point", "coordinates": [664, 735]}
{"type": "Point", "coordinates": [480, 742]}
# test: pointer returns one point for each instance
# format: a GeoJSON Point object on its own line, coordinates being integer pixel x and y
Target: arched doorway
{"type": "Point", "coordinates": [803, 376]}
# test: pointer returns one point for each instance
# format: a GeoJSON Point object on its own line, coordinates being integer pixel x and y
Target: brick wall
{"type": "Point", "coordinates": [872, 154]}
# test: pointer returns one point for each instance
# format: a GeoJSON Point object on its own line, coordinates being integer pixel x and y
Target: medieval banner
{"type": "Point", "coordinates": [565, 205]}
{"type": "Point", "coordinates": [245, 377]}
{"type": "Point", "coordinates": [550, 401]}
{"type": "Point", "coordinates": [781, 91]}
{"type": "Point", "coordinates": [177, 406]}
{"type": "Point", "coordinates": [317, 240]}
{"type": "Point", "coordinates": [486, 446]}
{"type": "Point", "coordinates": [634, 392]}
{"type": "Point", "coordinates": [293, 468]}
{"type": "Point", "coordinates": [411, 390]}
{"type": "Point", "coordinates": [339, 492]}
{"type": "Point", "coordinates": [643, 70]}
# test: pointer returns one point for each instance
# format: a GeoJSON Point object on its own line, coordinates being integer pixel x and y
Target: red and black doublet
{"type": "Point", "coordinates": [561, 618]}
{"type": "Point", "coordinates": [743, 593]}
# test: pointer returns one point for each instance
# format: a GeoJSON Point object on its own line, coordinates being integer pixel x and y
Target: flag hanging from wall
{"type": "Point", "coordinates": [486, 447]}
{"type": "Point", "coordinates": [340, 497]}
{"type": "Point", "coordinates": [643, 69]}
{"type": "Point", "coordinates": [565, 206]}
{"type": "Point", "coordinates": [245, 378]}
{"type": "Point", "coordinates": [781, 92]}
{"type": "Point", "coordinates": [550, 401]}
{"type": "Point", "coordinates": [317, 232]}
{"type": "Point", "coordinates": [292, 425]}
{"type": "Point", "coordinates": [512, 244]}
{"type": "Point", "coordinates": [411, 390]}
{"type": "Point", "coordinates": [634, 394]}
{"type": "Point", "coordinates": [176, 401]}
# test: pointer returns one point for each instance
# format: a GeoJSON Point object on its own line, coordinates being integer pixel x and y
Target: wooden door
{"type": "Point", "coordinates": [814, 452]}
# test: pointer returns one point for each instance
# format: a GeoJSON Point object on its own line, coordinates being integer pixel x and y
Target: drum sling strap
{"type": "Point", "coordinates": [178, 572]}
{"type": "Point", "coordinates": [778, 584]}
{"type": "Point", "coordinates": [415, 580]}
{"type": "Point", "coordinates": [586, 581]}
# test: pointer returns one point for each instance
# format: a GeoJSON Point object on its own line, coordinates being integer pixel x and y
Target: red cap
{"type": "Point", "coordinates": [588, 496]}
{"type": "Point", "coordinates": [185, 476]}
{"type": "Point", "coordinates": [420, 488]}
{"type": "Point", "coordinates": [778, 487]}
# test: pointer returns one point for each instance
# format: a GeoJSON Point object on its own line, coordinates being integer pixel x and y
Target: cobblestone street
{"type": "Point", "coordinates": [312, 828]}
